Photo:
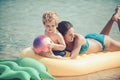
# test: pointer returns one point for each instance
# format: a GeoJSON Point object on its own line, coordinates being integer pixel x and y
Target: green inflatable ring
{"type": "Point", "coordinates": [35, 69]}
{"type": "Point", "coordinates": [7, 73]}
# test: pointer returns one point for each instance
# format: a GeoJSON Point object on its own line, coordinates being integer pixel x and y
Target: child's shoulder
{"type": "Point", "coordinates": [56, 33]}
{"type": "Point", "coordinates": [59, 34]}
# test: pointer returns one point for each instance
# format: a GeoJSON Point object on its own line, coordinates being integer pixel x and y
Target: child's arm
{"type": "Point", "coordinates": [61, 43]}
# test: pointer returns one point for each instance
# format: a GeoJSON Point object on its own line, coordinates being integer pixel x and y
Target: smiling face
{"type": "Point", "coordinates": [66, 29]}
{"type": "Point", "coordinates": [69, 36]}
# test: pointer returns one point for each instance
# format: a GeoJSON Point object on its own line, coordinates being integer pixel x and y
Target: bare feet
{"type": "Point", "coordinates": [116, 15]}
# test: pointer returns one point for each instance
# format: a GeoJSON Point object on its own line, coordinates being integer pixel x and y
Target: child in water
{"type": "Point", "coordinates": [57, 47]}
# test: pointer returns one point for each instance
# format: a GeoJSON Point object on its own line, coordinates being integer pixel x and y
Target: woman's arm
{"type": "Point", "coordinates": [78, 42]}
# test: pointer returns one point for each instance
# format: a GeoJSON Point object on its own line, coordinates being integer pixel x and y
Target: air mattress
{"type": "Point", "coordinates": [83, 64]}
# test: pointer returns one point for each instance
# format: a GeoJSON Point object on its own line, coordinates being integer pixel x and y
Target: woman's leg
{"type": "Point", "coordinates": [119, 24]}
{"type": "Point", "coordinates": [115, 17]}
{"type": "Point", "coordinates": [107, 28]}
{"type": "Point", "coordinates": [111, 44]}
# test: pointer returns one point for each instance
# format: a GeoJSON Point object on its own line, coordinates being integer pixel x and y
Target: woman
{"type": "Point", "coordinates": [76, 43]}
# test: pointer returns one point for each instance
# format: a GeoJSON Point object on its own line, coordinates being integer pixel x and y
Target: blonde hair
{"type": "Point", "coordinates": [50, 16]}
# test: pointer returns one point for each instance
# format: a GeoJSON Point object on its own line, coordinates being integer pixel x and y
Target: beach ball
{"type": "Point", "coordinates": [41, 44]}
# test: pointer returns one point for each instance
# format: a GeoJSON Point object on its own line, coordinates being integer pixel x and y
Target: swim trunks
{"type": "Point", "coordinates": [59, 53]}
{"type": "Point", "coordinates": [95, 36]}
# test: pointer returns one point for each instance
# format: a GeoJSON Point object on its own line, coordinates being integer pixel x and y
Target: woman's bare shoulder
{"type": "Point", "coordinates": [79, 36]}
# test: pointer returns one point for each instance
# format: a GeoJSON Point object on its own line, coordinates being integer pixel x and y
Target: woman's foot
{"type": "Point", "coordinates": [116, 15]}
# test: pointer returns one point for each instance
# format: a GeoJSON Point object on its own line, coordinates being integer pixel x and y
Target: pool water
{"type": "Point", "coordinates": [21, 20]}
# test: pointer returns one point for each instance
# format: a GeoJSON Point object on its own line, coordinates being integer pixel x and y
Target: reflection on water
{"type": "Point", "coordinates": [20, 20]}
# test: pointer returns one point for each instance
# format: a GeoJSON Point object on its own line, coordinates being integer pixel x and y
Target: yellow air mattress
{"type": "Point", "coordinates": [83, 64]}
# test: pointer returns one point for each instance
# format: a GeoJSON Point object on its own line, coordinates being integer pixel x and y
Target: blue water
{"type": "Point", "coordinates": [21, 20]}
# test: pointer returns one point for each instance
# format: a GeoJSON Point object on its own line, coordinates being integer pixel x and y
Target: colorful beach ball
{"type": "Point", "coordinates": [41, 44]}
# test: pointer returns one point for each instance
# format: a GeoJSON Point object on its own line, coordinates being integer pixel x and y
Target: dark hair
{"type": "Point", "coordinates": [63, 27]}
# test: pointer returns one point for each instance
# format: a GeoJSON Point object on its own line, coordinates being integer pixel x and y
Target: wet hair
{"type": "Point", "coordinates": [50, 16]}
{"type": "Point", "coordinates": [64, 26]}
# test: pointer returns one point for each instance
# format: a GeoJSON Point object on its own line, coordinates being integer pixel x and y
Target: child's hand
{"type": "Point", "coordinates": [51, 46]}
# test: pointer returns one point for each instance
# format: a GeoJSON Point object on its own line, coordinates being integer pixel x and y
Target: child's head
{"type": "Point", "coordinates": [50, 20]}
{"type": "Point", "coordinates": [50, 16]}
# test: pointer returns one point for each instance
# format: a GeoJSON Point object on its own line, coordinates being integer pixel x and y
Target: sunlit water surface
{"type": "Point", "coordinates": [21, 20]}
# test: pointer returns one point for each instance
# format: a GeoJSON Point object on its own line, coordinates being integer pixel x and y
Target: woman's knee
{"type": "Point", "coordinates": [111, 44]}
{"type": "Point", "coordinates": [107, 41]}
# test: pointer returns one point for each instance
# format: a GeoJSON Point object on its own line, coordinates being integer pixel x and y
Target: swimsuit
{"type": "Point", "coordinates": [84, 47]}
{"type": "Point", "coordinates": [95, 36]}
{"type": "Point", "coordinates": [59, 53]}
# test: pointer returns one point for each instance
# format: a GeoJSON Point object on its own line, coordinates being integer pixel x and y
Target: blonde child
{"type": "Point", "coordinates": [50, 20]}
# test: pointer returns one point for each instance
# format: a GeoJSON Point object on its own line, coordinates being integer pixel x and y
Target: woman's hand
{"type": "Point", "coordinates": [78, 42]}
